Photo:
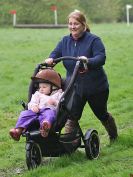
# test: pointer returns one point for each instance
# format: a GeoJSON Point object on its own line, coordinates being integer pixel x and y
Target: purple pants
{"type": "Point", "coordinates": [27, 116]}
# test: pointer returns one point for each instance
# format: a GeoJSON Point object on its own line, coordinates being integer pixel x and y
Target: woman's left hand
{"type": "Point", "coordinates": [83, 59]}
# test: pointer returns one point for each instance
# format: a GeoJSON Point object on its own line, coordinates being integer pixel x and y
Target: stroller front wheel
{"type": "Point", "coordinates": [92, 144]}
{"type": "Point", "coordinates": [33, 155]}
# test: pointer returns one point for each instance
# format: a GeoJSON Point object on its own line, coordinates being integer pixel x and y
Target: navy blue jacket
{"type": "Point", "coordinates": [91, 46]}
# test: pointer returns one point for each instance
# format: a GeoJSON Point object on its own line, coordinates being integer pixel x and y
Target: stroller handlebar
{"type": "Point", "coordinates": [65, 58]}
{"type": "Point", "coordinates": [57, 60]}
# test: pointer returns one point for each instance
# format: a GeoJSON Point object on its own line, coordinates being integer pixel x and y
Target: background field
{"type": "Point", "coordinates": [20, 51]}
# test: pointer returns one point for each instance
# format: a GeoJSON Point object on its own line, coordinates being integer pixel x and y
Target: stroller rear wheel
{"type": "Point", "coordinates": [92, 144]}
{"type": "Point", "coordinates": [33, 155]}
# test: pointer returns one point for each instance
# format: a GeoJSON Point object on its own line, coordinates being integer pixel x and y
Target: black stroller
{"type": "Point", "coordinates": [57, 144]}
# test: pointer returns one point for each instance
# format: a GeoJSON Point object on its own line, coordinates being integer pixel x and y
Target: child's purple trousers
{"type": "Point", "coordinates": [27, 116]}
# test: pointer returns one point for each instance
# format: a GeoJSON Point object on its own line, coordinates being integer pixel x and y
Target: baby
{"type": "Point", "coordinates": [42, 106]}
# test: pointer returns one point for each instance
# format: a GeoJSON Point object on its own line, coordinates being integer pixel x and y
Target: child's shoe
{"type": "Point", "coordinates": [45, 127]}
{"type": "Point", "coordinates": [15, 134]}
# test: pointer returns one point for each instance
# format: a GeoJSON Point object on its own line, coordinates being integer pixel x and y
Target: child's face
{"type": "Point", "coordinates": [44, 88]}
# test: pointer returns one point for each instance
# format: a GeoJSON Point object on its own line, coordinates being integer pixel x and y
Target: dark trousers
{"type": "Point", "coordinates": [97, 102]}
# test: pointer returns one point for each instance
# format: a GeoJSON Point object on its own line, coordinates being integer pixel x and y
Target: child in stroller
{"type": "Point", "coordinates": [57, 143]}
{"type": "Point", "coordinates": [43, 104]}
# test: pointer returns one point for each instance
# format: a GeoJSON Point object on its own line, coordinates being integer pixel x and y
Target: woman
{"type": "Point", "coordinates": [91, 84]}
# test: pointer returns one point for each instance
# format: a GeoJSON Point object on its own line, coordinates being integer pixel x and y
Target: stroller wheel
{"type": "Point", "coordinates": [92, 144]}
{"type": "Point", "coordinates": [33, 155]}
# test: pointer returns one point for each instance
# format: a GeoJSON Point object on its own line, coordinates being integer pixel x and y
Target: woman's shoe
{"type": "Point", "coordinates": [70, 126]}
{"type": "Point", "coordinates": [111, 128]}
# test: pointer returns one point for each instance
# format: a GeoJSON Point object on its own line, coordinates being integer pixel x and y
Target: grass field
{"type": "Point", "coordinates": [20, 51]}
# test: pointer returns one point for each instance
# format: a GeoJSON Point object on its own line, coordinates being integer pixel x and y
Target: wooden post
{"type": "Point", "coordinates": [54, 9]}
{"type": "Point", "coordinates": [13, 12]}
{"type": "Point", "coordinates": [128, 6]}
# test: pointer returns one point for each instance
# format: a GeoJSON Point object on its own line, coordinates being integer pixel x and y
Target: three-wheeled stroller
{"type": "Point", "coordinates": [57, 144]}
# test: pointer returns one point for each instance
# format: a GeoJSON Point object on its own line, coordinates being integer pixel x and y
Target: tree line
{"type": "Point", "coordinates": [41, 11]}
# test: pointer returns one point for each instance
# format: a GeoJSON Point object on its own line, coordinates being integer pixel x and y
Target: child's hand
{"type": "Point", "coordinates": [35, 109]}
{"type": "Point", "coordinates": [52, 102]}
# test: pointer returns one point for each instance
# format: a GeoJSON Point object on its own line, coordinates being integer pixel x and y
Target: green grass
{"type": "Point", "coordinates": [20, 51]}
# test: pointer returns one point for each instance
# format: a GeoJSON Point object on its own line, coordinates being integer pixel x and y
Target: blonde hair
{"type": "Point", "coordinates": [80, 17]}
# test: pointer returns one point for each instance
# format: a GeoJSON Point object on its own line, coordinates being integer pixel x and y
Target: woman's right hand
{"type": "Point", "coordinates": [49, 61]}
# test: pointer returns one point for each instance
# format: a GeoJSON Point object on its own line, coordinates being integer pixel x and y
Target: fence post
{"type": "Point", "coordinates": [128, 6]}
{"type": "Point", "coordinates": [13, 12]}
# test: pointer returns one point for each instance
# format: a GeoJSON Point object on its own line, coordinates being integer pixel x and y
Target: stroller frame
{"type": "Point", "coordinates": [57, 144]}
